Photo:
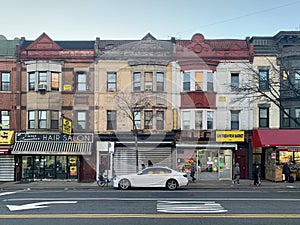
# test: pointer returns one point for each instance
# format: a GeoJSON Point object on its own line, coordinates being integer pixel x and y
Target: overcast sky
{"type": "Point", "coordinates": [133, 19]}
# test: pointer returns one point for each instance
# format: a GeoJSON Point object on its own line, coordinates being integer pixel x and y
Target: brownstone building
{"type": "Point", "coordinates": [56, 81]}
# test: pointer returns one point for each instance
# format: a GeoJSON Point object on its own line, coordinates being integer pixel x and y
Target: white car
{"type": "Point", "coordinates": [152, 177]}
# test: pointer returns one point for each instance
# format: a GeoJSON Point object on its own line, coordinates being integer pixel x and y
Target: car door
{"type": "Point", "coordinates": [160, 177]}
{"type": "Point", "coordinates": [144, 178]}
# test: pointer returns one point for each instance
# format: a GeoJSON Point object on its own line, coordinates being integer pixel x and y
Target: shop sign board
{"type": "Point", "coordinates": [83, 138]}
{"type": "Point", "coordinates": [66, 126]}
{"type": "Point", "coordinates": [6, 137]}
{"type": "Point", "coordinates": [230, 136]}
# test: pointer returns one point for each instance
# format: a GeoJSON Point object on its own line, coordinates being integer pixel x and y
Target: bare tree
{"type": "Point", "coordinates": [133, 104]}
{"type": "Point", "coordinates": [270, 86]}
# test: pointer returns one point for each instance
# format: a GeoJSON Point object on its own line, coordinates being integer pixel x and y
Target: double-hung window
{"type": "Point", "coordinates": [5, 119]}
{"type": "Point", "coordinates": [198, 81]}
{"type": "Point", "coordinates": [32, 81]}
{"type": "Point", "coordinates": [198, 120]}
{"type": "Point", "coordinates": [54, 81]}
{"type": "Point", "coordinates": [5, 81]}
{"type": "Point", "coordinates": [264, 117]}
{"type": "Point", "coordinates": [263, 81]}
{"type": "Point", "coordinates": [186, 120]}
{"type": "Point", "coordinates": [160, 81]}
{"type": "Point", "coordinates": [112, 82]}
{"type": "Point", "coordinates": [286, 117]}
{"type": "Point", "coordinates": [81, 82]}
{"type": "Point", "coordinates": [42, 119]}
{"type": "Point", "coordinates": [136, 81]}
{"type": "Point", "coordinates": [111, 120]}
{"type": "Point", "coordinates": [148, 81]}
{"type": "Point", "coordinates": [54, 119]}
{"type": "Point", "coordinates": [137, 119]}
{"type": "Point", "coordinates": [148, 116]}
{"type": "Point", "coordinates": [297, 116]}
{"type": "Point", "coordinates": [31, 119]}
{"type": "Point", "coordinates": [210, 81]}
{"type": "Point", "coordinates": [81, 120]}
{"type": "Point", "coordinates": [210, 120]}
{"type": "Point", "coordinates": [42, 78]}
{"type": "Point", "coordinates": [186, 82]}
{"type": "Point", "coordinates": [234, 81]}
{"type": "Point", "coordinates": [235, 120]}
{"type": "Point", "coordinates": [160, 120]}
{"type": "Point", "coordinates": [297, 79]}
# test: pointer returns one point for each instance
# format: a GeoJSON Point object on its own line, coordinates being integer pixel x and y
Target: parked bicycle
{"type": "Point", "coordinates": [103, 180]}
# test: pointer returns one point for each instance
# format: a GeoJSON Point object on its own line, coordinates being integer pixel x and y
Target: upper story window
{"type": "Point", "coordinates": [54, 120]}
{"type": "Point", "coordinates": [297, 115]}
{"type": "Point", "coordinates": [81, 120]}
{"type": "Point", "coordinates": [31, 81]}
{"type": "Point", "coordinates": [263, 79]}
{"type": "Point", "coordinates": [148, 81]}
{"type": "Point", "coordinates": [137, 119]}
{"type": "Point", "coordinates": [160, 120]}
{"type": "Point", "coordinates": [286, 118]}
{"type": "Point", "coordinates": [234, 81]}
{"type": "Point", "coordinates": [186, 82]}
{"type": "Point", "coordinates": [42, 120]}
{"type": "Point", "coordinates": [42, 78]}
{"type": "Point", "coordinates": [198, 81]}
{"type": "Point", "coordinates": [81, 82]}
{"type": "Point", "coordinates": [210, 119]}
{"type": "Point", "coordinates": [5, 124]}
{"type": "Point", "coordinates": [264, 117]}
{"type": "Point", "coordinates": [198, 120]}
{"type": "Point", "coordinates": [235, 120]}
{"type": "Point", "coordinates": [5, 81]}
{"type": "Point", "coordinates": [31, 119]}
{"type": "Point", "coordinates": [54, 81]}
{"type": "Point", "coordinates": [148, 118]}
{"type": "Point", "coordinates": [136, 81]}
{"type": "Point", "coordinates": [297, 79]}
{"type": "Point", "coordinates": [160, 81]}
{"type": "Point", "coordinates": [186, 120]}
{"type": "Point", "coordinates": [210, 81]}
{"type": "Point", "coordinates": [111, 120]}
{"type": "Point", "coordinates": [112, 81]}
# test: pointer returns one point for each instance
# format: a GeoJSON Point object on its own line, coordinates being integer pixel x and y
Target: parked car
{"type": "Point", "coordinates": [152, 177]}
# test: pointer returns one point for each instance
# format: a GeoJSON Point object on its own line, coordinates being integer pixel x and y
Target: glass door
{"type": "Point", "coordinates": [225, 165]}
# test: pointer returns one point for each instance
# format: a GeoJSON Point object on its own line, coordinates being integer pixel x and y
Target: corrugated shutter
{"type": "Point", "coordinates": [7, 167]}
{"type": "Point", "coordinates": [125, 158]}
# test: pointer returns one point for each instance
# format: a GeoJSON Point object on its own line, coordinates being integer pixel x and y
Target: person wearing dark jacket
{"type": "Point", "coordinates": [286, 171]}
{"type": "Point", "coordinates": [256, 175]}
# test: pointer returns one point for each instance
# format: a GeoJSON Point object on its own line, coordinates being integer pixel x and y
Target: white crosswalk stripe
{"type": "Point", "coordinates": [190, 207]}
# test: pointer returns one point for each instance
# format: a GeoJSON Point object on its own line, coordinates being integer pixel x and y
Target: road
{"type": "Point", "coordinates": [148, 206]}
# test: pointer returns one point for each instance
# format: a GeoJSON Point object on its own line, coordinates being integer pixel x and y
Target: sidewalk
{"type": "Point", "coordinates": [201, 184]}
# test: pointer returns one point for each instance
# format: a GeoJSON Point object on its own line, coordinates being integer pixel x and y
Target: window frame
{"type": "Point", "coordinates": [186, 120]}
{"type": "Point", "coordinates": [210, 81]}
{"type": "Point", "coordinates": [210, 120]}
{"type": "Point", "coordinates": [148, 119]}
{"type": "Point", "coordinates": [5, 119]}
{"type": "Point", "coordinates": [31, 119]}
{"type": "Point", "coordinates": [111, 123]}
{"type": "Point", "coordinates": [81, 120]}
{"type": "Point", "coordinates": [137, 81]}
{"type": "Point", "coordinates": [5, 84]}
{"type": "Point", "coordinates": [286, 119]}
{"type": "Point", "coordinates": [148, 81]}
{"type": "Point", "coordinates": [160, 118]}
{"type": "Point", "coordinates": [235, 119]}
{"type": "Point", "coordinates": [82, 82]}
{"type": "Point", "coordinates": [160, 81]}
{"type": "Point", "coordinates": [234, 81]}
{"type": "Point", "coordinates": [264, 121]}
{"type": "Point", "coordinates": [111, 81]}
{"type": "Point", "coordinates": [263, 81]}
{"type": "Point", "coordinates": [198, 120]}
{"type": "Point", "coordinates": [55, 83]}
{"type": "Point", "coordinates": [186, 84]}
{"type": "Point", "coordinates": [42, 119]}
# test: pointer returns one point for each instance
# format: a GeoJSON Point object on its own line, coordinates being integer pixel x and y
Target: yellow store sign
{"type": "Point", "coordinates": [230, 136]}
{"type": "Point", "coordinates": [7, 137]}
{"type": "Point", "coordinates": [67, 126]}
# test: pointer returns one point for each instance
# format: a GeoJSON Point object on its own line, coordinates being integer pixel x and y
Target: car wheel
{"type": "Point", "coordinates": [124, 184]}
{"type": "Point", "coordinates": [172, 184]}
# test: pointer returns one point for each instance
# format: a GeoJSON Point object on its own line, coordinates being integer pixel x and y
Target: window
{"type": "Point", "coordinates": [81, 82]}
{"type": "Point", "coordinates": [148, 115]}
{"type": "Point", "coordinates": [186, 82]}
{"type": "Point", "coordinates": [5, 81]}
{"type": "Point", "coordinates": [148, 81]}
{"type": "Point", "coordinates": [136, 81]}
{"type": "Point", "coordinates": [137, 119]}
{"type": "Point", "coordinates": [297, 115]}
{"type": "Point", "coordinates": [42, 119]}
{"type": "Point", "coordinates": [31, 80]}
{"type": "Point", "coordinates": [186, 120]}
{"type": "Point", "coordinates": [81, 120]}
{"type": "Point", "coordinates": [235, 118]}
{"type": "Point", "coordinates": [210, 81]}
{"type": "Point", "coordinates": [5, 120]}
{"type": "Point", "coordinates": [54, 81]}
{"type": "Point", "coordinates": [263, 80]}
{"type": "Point", "coordinates": [286, 118]}
{"type": "Point", "coordinates": [297, 79]}
{"type": "Point", "coordinates": [263, 117]}
{"type": "Point", "coordinates": [198, 81]}
{"type": "Point", "coordinates": [210, 120]}
{"type": "Point", "coordinates": [160, 120]}
{"type": "Point", "coordinates": [111, 120]}
{"type": "Point", "coordinates": [234, 81]}
{"type": "Point", "coordinates": [54, 120]}
{"type": "Point", "coordinates": [111, 82]}
{"type": "Point", "coordinates": [31, 119]}
{"type": "Point", "coordinates": [160, 81]}
{"type": "Point", "coordinates": [42, 78]}
{"type": "Point", "coordinates": [198, 120]}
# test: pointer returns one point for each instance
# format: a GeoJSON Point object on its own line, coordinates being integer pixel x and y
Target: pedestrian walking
{"type": "Point", "coordinates": [193, 171]}
{"type": "Point", "coordinates": [256, 174]}
{"type": "Point", "coordinates": [237, 174]}
{"type": "Point", "coordinates": [286, 171]}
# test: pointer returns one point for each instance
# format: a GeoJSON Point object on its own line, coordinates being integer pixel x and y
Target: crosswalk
{"type": "Point", "coordinates": [189, 207]}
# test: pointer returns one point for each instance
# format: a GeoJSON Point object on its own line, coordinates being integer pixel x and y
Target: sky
{"type": "Point", "coordinates": [133, 19]}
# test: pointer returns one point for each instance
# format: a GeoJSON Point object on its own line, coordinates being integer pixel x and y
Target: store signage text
{"type": "Point", "coordinates": [55, 137]}
{"type": "Point", "coordinates": [230, 136]}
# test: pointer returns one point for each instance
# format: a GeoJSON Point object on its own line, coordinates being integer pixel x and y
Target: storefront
{"type": "Point", "coordinates": [7, 162]}
{"type": "Point", "coordinates": [276, 148]}
{"type": "Point", "coordinates": [41, 156]}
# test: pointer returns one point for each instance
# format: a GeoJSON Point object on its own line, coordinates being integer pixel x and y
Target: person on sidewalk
{"type": "Point", "coordinates": [193, 171]}
{"type": "Point", "coordinates": [286, 171]}
{"type": "Point", "coordinates": [237, 174]}
{"type": "Point", "coordinates": [256, 174]}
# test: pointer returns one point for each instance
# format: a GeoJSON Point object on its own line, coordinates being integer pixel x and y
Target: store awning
{"type": "Point", "coordinates": [52, 148]}
{"type": "Point", "coordinates": [272, 138]}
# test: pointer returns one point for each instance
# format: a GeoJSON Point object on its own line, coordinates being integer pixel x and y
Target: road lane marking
{"type": "Point", "coordinates": [36, 205]}
{"type": "Point", "coordinates": [7, 193]}
{"type": "Point", "coordinates": [190, 207]}
{"type": "Point", "coordinates": [154, 216]}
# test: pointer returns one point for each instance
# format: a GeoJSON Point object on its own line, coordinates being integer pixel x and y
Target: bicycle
{"type": "Point", "coordinates": [103, 180]}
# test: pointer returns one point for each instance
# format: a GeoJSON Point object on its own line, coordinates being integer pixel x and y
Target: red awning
{"type": "Point", "coordinates": [272, 138]}
{"type": "Point", "coordinates": [4, 150]}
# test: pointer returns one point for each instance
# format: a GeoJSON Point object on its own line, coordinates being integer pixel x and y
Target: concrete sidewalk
{"type": "Point", "coordinates": [201, 184]}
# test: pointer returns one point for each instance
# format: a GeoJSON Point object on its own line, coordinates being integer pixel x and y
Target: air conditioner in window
{"type": "Point", "coordinates": [148, 88]}
{"type": "Point", "coordinates": [42, 87]}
